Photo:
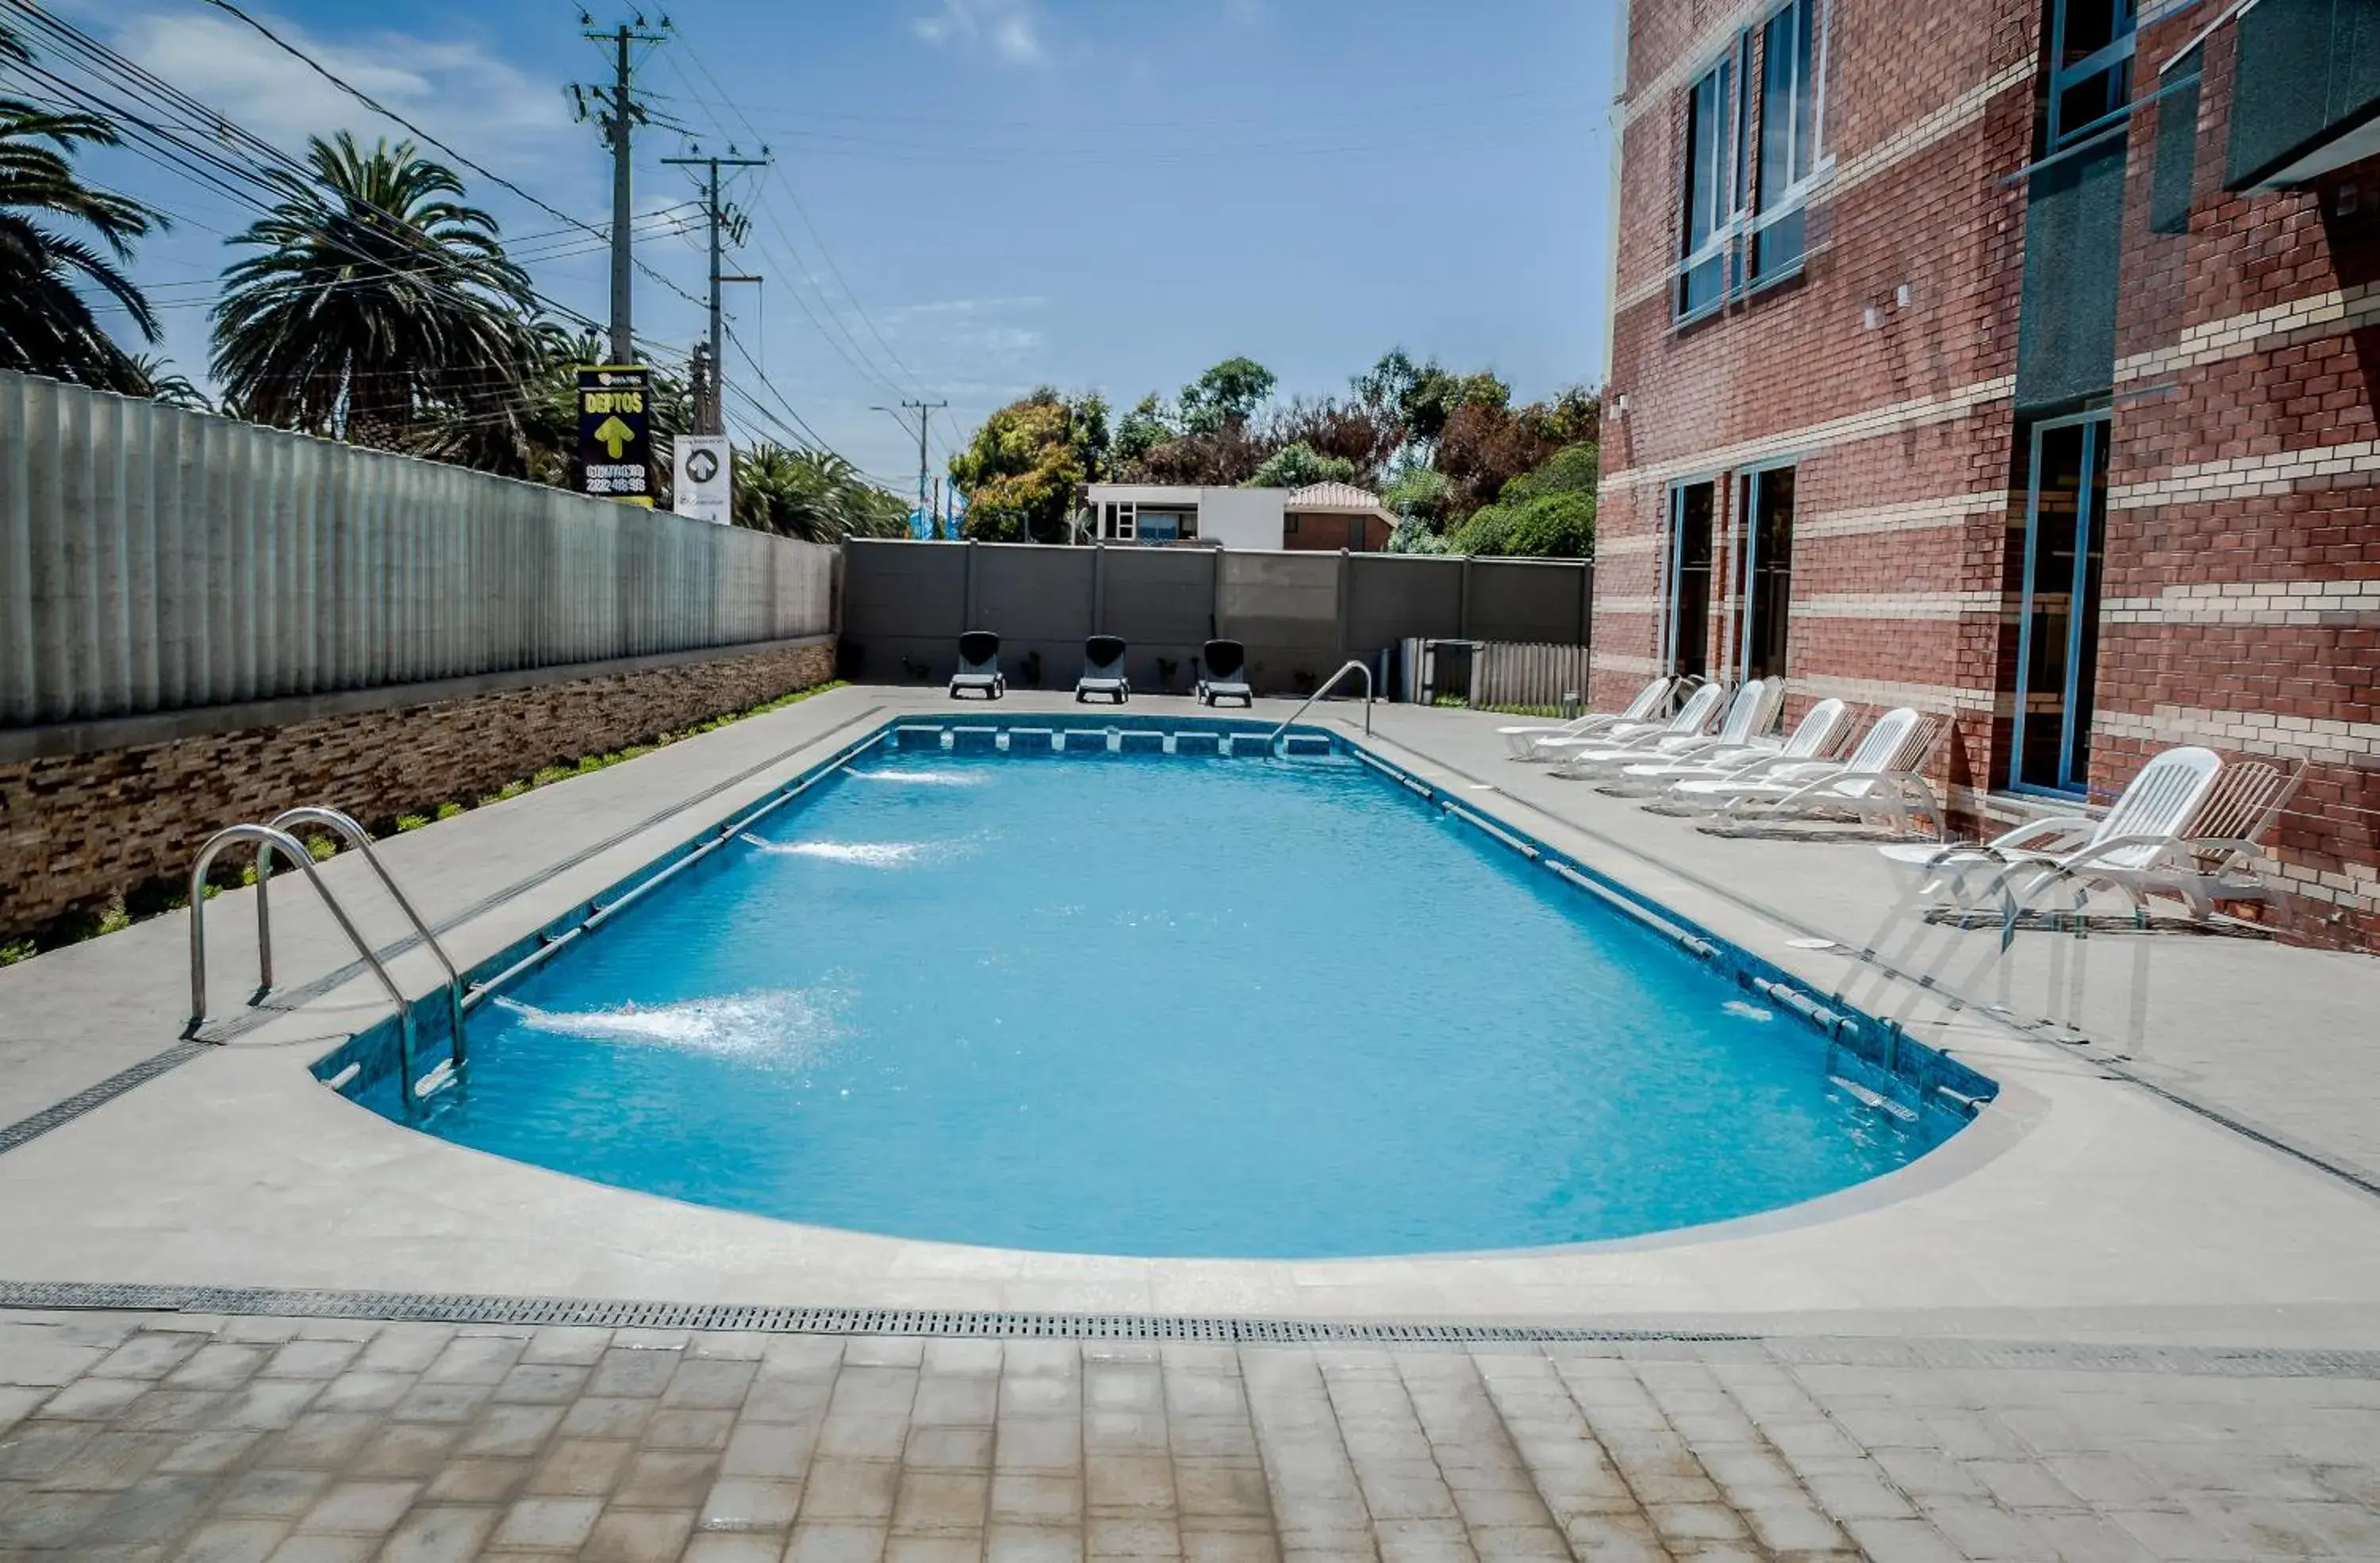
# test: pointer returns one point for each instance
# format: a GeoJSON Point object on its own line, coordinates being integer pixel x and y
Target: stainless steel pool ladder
{"type": "Point", "coordinates": [279, 836]}
{"type": "Point", "coordinates": [1355, 665]}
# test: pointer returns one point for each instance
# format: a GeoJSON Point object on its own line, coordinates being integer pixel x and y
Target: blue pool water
{"type": "Point", "coordinates": [1158, 1005]}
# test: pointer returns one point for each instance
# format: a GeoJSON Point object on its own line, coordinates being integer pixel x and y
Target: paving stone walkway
{"type": "Point", "coordinates": [312, 1441]}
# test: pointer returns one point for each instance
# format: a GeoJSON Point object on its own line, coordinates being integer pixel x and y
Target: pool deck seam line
{"type": "Point", "coordinates": [2270, 1139]}
{"type": "Point", "coordinates": [58, 1114]}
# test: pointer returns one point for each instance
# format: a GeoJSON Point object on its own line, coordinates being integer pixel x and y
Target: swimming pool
{"type": "Point", "coordinates": [1166, 1005]}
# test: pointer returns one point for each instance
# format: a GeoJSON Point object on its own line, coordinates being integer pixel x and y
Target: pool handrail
{"type": "Point", "coordinates": [269, 840]}
{"type": "Point", "coordinates": [345, 826]}
{"type": "Point", "coordinates": [1355, 664]}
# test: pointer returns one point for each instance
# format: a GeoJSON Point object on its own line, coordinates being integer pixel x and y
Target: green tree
{"type": "Point", "coordinates": [169, 385]}
{"type": "Point", "coordinates": [1228, 394]}
{"type": "Point", "coordinates": [1296, 465]}
{"type": "Point", "coordinates": [47, 323]}
{"type": "Point", "coordinates": [1147, 426]}
{"type": "Point", "coordinates": [376, 294]}
{"type": "Point", "coordinates": [814, 495]}
{"type": "Point", "coordinates": [1546, 514]}
{"type": "Point", "coordinates": [1021, 472]}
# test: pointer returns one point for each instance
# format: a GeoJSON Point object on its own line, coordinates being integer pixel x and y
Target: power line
{"type": "Point", "coordinates": [854, 355]}
{"type": "Point", "coordinates": [803, 213]}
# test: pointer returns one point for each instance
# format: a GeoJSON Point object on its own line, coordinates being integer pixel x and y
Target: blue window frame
{"type": "Point", "coordinates": [1790, 61]}
{"type": "Point", "coordinates": [1707, 271]}
{"type": "Point", "coordinates": [2089, 66]}
{"type": "Point", "coordinates": [2057, 624]}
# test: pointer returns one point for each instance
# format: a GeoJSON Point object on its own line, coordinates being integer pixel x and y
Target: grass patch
{"type": "Point", "coordinates": [159, 896]}
{"type": "Point", "coordinates": [1552, 713]}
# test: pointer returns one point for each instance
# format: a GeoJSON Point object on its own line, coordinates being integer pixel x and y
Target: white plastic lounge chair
{"type": "Point", "coordinates": [2145, 821]}
{"type": "Point", "coordinates": [2221, 856]}
{"type": "Point", "coordinates": [1103, 670]}
{"type": "Point", "coordinates": [1226, 675]}
{"type": "Point", "coordinates": [2186, 826]}
{"type": "Point", "coordinates": [1879, 781]}
{"type": "Point", "coordinates": [1752, 711]}
{"type": "Point", "coordinates": [1702, 794]}
{"type": "Point", "coordinates": [1691, 722]}
{"type": "Point", "coordinates": [1814, 738]}
{"type": "Point", "coordinates": [978, 667]}
{"type": "Point", "coordinates": [1522, 741]}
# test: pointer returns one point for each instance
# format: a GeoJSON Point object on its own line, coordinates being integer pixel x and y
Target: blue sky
{"type": "Point", "coordinates": [973, 197]}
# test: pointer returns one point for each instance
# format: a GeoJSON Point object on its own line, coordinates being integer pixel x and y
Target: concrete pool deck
{"type": "Point", "coordinates": [2096, 1200]}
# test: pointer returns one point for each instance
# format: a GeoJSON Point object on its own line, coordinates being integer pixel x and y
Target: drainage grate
{"type": "Point", "coordinates": [1862, 1352]}
{"type": "Point", "coordinates": [468, 1308]}
{"type": "Point", "coordinates": [58, 1114]}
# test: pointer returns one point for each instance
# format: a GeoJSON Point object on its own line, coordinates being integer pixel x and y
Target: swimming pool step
{"type": "Point", "coordinates": [974, 739]}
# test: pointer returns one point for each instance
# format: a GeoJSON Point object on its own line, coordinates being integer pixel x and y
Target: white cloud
{"type": "Point", "coordinates": [1009, 30]}
{"type": "Point", "coordinates": [457, 91]}
{"type": "Point", "coordinates": [965, 330]}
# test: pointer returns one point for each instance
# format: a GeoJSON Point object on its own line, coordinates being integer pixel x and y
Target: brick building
{"type": "Point", "coordinates": [2013, 359]}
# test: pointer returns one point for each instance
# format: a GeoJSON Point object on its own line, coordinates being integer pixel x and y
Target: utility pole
{"type": "Point", "coordinates": [724, 224]}
{"type": "Point", "coordinates": [620, 116]}
{"type": "Point", "coordinates": [925, 411]}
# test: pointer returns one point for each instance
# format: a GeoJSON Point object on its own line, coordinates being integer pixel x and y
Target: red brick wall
{"type": "Point", "coordinates": [80, 829]}
{"type": "Point", "coordinates": [2276, 650]}
{"type": "Point", "coordinates": [1928, 109]}
{"type": "Point", "coordinates": [1927, 106]}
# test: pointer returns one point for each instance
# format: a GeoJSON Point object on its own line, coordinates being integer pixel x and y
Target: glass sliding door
{"type": "Point", "coordinates": [2057, 633]}
{"type": "Point", "coordinates": [1686, 629]}
{"type": "Point", "coordinates": [1765, 579]}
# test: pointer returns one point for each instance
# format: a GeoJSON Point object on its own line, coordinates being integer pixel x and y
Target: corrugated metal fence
{"type": "Point", "coordinates": [1507, 675]}
{"type": "Point", "coordinates": [152, 559]}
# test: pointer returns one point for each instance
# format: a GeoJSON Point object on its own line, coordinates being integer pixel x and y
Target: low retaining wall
{"type": "Point", "coordinates": [92, 812]}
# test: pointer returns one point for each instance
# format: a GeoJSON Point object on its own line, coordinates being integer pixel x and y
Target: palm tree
{"type": "Point", "coordinates": [376, 294]}
{"type": "Point", "coordinates": [46, 324]}
{"type": "Point", "coordinates": [161, 381]}
{"type": "Point", "coordinates": [814, 495]}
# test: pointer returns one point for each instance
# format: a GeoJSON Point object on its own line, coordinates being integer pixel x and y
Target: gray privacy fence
{"type": "Point", "coordinates": [1301, 614]}
{"type": "Point", "coordinates": [152, 559]}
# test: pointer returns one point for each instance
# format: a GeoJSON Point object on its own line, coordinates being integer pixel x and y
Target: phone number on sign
{"type": "Point", "coordinates": [617, 480]}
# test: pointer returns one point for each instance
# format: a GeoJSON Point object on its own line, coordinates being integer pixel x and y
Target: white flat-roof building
{"type": "Point", "coordinates": [1325, 515]}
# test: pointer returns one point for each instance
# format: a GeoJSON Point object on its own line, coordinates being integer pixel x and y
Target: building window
{"type": "Point", "coordinates": [2089, 66]}
{"type": "Point", "coordinates": [1714, 186]}
{"type": "Point", "coordinates": [1685, 629]}
{"type": "Point", "coordinates": [2175, 174]}
{"type": "Point", "coordinates": [1765, 586]}
{"type": "Point", "coordinates": [1791, 59]}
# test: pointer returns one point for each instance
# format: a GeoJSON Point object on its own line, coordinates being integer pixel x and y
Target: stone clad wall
{"type": "Point", "coordinates": [93, 820]}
